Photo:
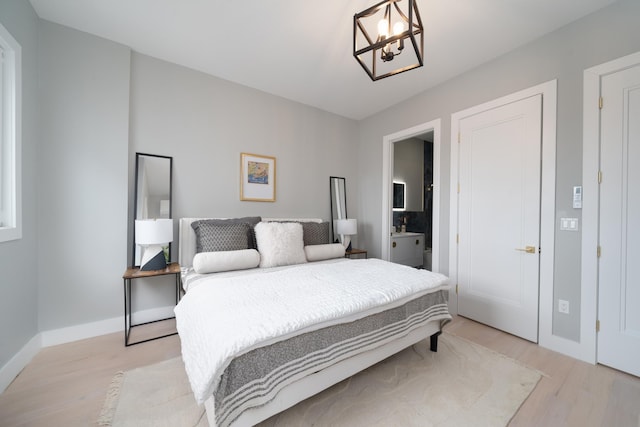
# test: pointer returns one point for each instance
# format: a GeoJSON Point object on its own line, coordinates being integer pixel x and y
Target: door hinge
{"type": "Point", "coordinates": [458, 137]}
{"type": "Point", "coordinates": [597, 325]}
{"type": "Point", "coordinates": [600, 103]}
{"type": "Point", "coordinates": [457, 238]}
{"type": "Point", "coordinates": [599, 251]}
{"type": "Point", "coordinates": [456, 289]}
{"type": "Point", "coordinates": [599, 177]}
{"type": "Point", "coordinates": [458, 188]}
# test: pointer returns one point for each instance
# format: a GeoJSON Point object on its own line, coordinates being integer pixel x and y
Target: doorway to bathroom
{"type": "Point", "coordinates": [411, 161]}
{"type": "Point", "coordinates": [412, 214]}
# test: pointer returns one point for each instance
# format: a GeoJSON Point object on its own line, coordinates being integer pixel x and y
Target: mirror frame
{"type": "Point", "coordinates": [135, 258]}
{"type": "Point", "coordinates": [338, 202]}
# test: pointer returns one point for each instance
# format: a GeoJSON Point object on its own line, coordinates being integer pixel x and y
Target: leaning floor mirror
{"type": "Point", "coordinates": [152, 199]}
{"type": "Point", "coordinates": [338, 194]}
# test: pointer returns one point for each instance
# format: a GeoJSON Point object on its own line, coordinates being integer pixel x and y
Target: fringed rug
{"type": "Point", "coordinates": [463, 384]}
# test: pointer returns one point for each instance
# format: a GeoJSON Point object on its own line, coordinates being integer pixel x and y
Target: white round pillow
{"type": "Point", "coordinates": [214, 262]}
{"type": "Point", "coordinates": [326, 251]}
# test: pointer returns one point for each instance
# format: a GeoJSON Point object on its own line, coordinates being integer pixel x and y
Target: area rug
{"type": "Point", "coordinates": [463, 384]}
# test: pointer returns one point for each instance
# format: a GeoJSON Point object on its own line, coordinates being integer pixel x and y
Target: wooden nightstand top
{"type": "Point", "coordinates": [134, 272]}
{"type": "Point", "coordinates": [355, 251]}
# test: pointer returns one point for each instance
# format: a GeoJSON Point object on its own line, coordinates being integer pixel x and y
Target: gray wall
{"type": "Point", "coordinates": [611, 33]}
{"type": "Point", "coordinates": [204, 123]}
{"type": "Point", "coordinates": [19, 258]}
{"type": "Point", "coordinates": [83, 176]}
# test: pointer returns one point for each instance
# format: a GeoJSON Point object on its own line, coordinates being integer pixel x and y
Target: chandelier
{"type": "Point", "coordinates": [380, 36]}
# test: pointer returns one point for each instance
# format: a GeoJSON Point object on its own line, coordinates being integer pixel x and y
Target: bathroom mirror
{"type": "Point", "coordinates": [152, 193]}
{"type": "Point", "coordinates": [399, 196]}
{"type": "Point", "coordinates": [338, 194]}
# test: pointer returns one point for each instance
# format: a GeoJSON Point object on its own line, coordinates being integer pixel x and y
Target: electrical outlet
{"type": "Point", "coordinates": [563, 306]}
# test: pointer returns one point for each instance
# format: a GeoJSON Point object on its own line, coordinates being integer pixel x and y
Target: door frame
{"type": "Point", "coordinates": [590, 205]}
{"type": "Point", "coordinates": [387, 187]}
{"type": "Point", "coordinates": [547, 201]}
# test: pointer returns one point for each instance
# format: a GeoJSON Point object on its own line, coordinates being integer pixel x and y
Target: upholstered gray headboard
{"type": "Point", "coordinates": [187, 237]}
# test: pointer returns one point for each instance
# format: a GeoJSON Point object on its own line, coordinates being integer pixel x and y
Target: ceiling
{"type": "Point", "coordinates": [302, 50]}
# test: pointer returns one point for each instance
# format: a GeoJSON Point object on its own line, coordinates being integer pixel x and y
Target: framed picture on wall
{"type": "Point", "coordinates": [257, 178]}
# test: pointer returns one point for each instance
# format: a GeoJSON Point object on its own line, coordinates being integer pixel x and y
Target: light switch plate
{"type": "Point", "coordinates": [563, 306]}
{"type": "Point", "coordinates": [569, 224]}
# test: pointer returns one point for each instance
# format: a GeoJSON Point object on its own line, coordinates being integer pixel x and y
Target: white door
{"type": "Point", "coordinates": [619, 263]}
{"type": "Point", "coordinates": [499, 216]}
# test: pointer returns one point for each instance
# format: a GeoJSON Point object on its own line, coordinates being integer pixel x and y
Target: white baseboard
{"type": "Point", "coordinates": [567, 347]}
{"type": "Point", "coordinates": [73, 333]}
{"type": "Point", "coordinates": [80, 332]}
{"type": "Point", "coordinates": [101, 327]}
{"type": "Point", "coordinates": [17, 363]}
{"type": "Point", "coordinates": [151, 315]}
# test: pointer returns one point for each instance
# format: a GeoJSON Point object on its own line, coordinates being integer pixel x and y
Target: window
{"type": "Point", "coordinates": [10, 137]}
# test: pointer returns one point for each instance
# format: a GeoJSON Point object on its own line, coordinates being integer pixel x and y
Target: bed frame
{"type": "Point", "coordinates": [315, 382]}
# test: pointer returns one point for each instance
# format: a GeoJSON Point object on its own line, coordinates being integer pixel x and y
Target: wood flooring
{"type": "Point", "coordinates": [66, 385]}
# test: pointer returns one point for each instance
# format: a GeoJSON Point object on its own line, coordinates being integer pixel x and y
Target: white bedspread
{"type": "Point", "coordinates": [224, 317]}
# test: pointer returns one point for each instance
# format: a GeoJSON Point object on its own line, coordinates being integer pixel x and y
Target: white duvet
{"type": "Point", "coordinates": [223, 317]}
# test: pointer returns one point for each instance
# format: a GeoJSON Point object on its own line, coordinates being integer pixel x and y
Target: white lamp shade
{"type": "Point", "coordinates": [154, 231]}
{"type": "Point", "coordinates": [348, 227]}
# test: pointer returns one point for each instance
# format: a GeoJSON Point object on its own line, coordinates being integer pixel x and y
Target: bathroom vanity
{"type": "Point", "coordinates": [407, 248]}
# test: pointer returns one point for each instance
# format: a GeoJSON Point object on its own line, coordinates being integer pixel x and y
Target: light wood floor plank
{"type": "Point", "coordinates": [66, 385]}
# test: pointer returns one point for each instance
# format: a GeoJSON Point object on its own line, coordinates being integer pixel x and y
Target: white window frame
{"type": "Point", "coordinates": [10, 137]}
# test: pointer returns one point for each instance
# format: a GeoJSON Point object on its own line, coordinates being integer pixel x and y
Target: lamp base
{"type": "Point", "coordinates": [346, 242]}
{"type": "Point", "coordinates": [153, 259]}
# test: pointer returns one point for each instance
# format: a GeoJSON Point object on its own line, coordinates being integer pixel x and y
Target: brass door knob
{"type": "Point", "coordinates": [393, 245]}
{"type": "Point", "coordinates": [527, 249]}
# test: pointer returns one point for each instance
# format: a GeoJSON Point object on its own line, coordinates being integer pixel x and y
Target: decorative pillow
{"type": "Point", "coordinates": [280, 243]}
{"type": "Point", "coordinates": [228, 237]}
{"type": "Point", "coordinates": [213, 262]}
{"type": "Point", "coordinates": [202, 229]}
{"type": "Point", "coordinates": [321, 252]}
{"type": "Point", "coordinates": [315, 233]}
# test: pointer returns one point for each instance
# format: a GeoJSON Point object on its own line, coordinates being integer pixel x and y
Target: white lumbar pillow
{"type": "Point", "coordinates": [321, 252]}
{"type": "Point", "coordinates": [280, 243]}
{"type": "Point", "coordinates": [214, 262]}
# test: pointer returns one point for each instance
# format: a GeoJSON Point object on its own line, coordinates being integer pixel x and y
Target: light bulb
{"type": "Point", "coordinates": [383, 28]}
{"type": "Point", "coordinates": [398, 28]}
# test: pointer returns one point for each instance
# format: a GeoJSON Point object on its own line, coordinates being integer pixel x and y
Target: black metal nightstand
{"type": "Point", "coordinates": [135, 273]}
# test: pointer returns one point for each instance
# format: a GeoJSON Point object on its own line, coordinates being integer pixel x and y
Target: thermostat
{"type": "Point", "coordinates": [577, 197]}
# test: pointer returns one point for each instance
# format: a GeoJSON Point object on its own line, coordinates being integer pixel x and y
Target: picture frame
{"type": "Point", "coordinates": [257, 178]}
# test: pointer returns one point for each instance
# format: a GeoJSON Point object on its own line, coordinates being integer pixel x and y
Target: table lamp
{"type": "Point", "coordinates": [347, 228]}
{"type": "Point", "coordinates": [152, 235]}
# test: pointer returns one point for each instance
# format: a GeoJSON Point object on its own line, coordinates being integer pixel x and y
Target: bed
{"type": "Point", "coordinates": [264, 328]}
